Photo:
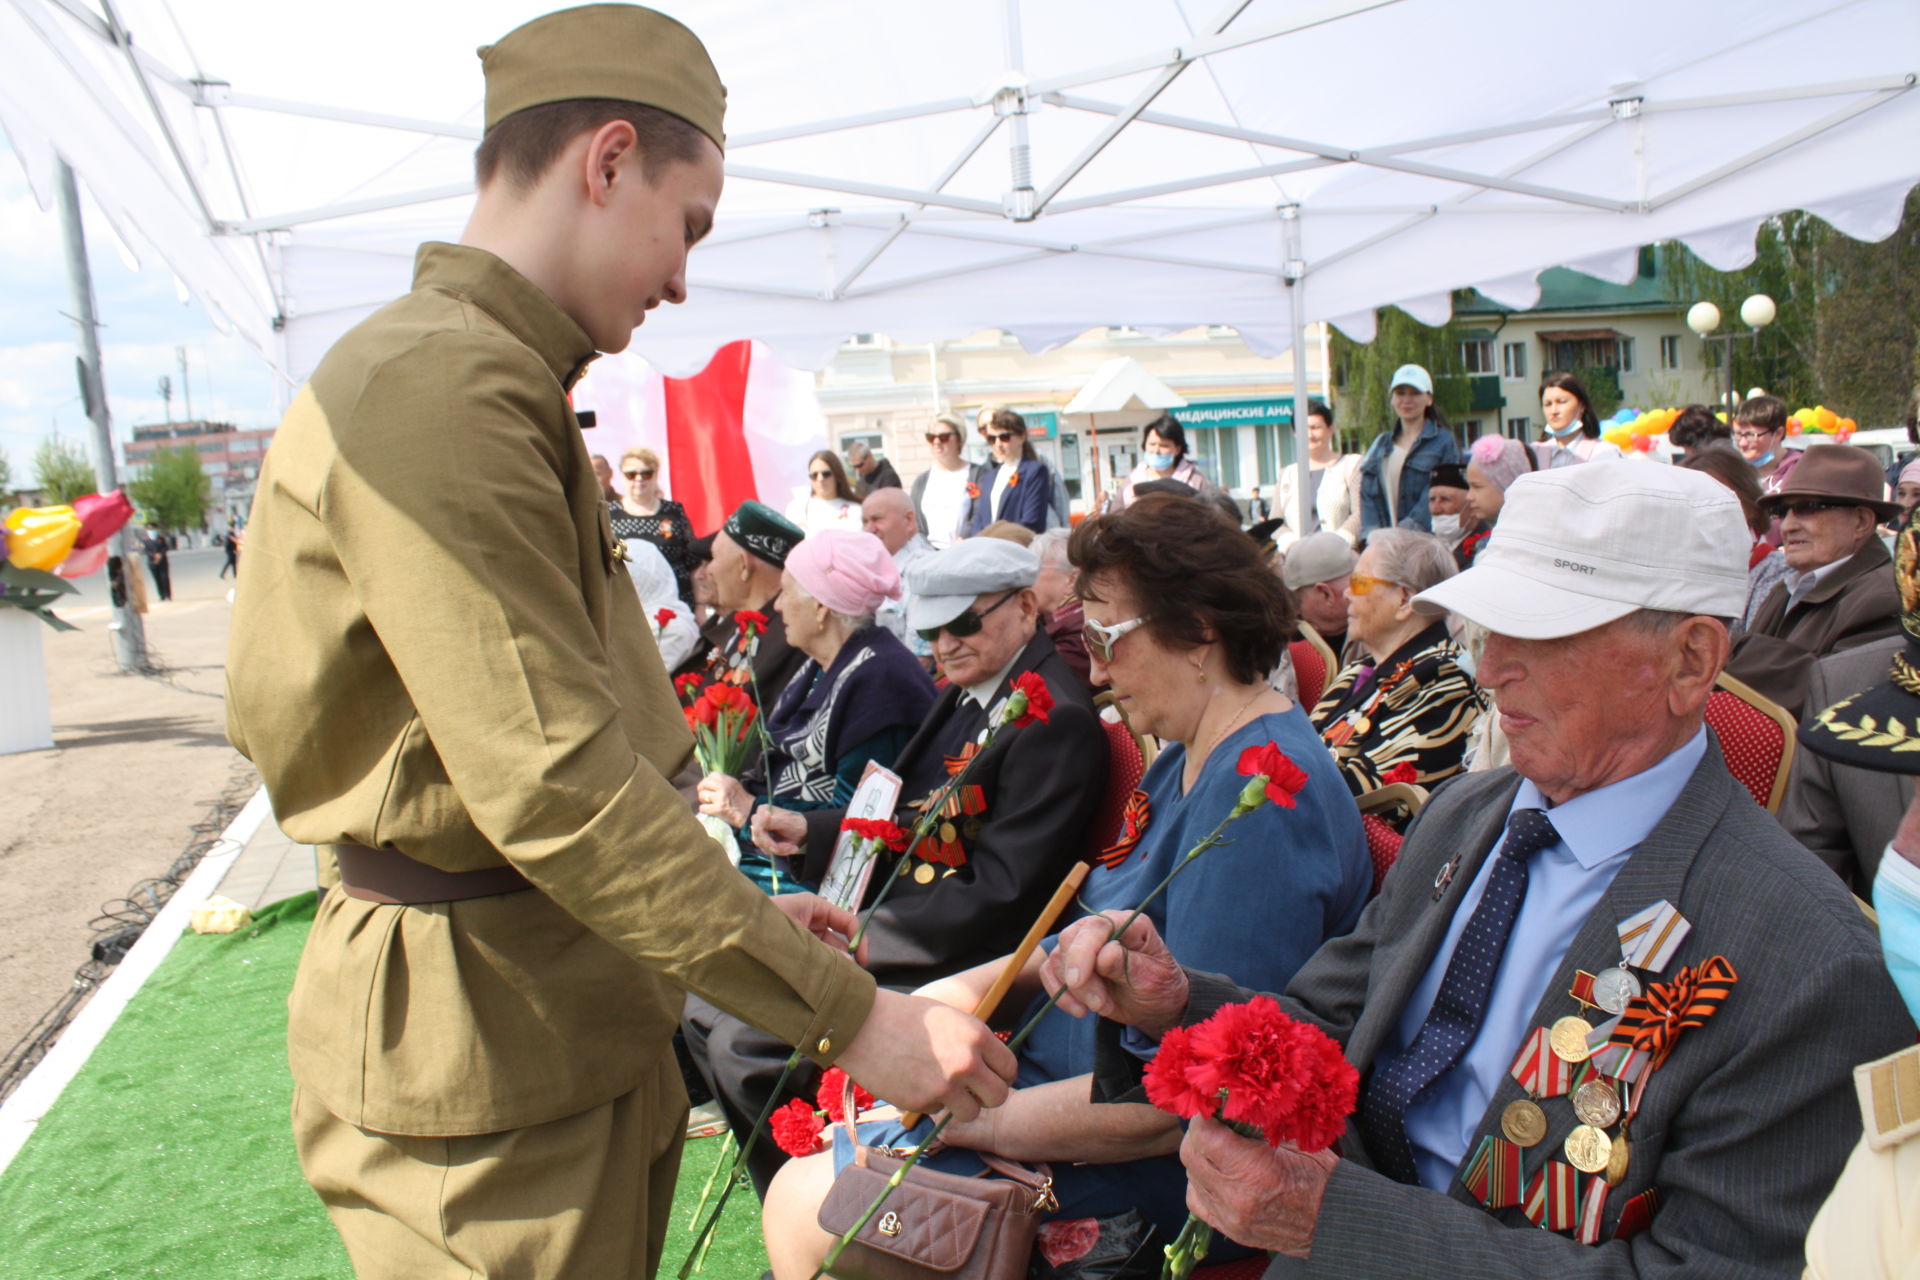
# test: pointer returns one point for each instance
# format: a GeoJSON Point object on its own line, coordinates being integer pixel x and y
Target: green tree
{"type": "Point", "coordinates": [6, 476]}
{"type": "Point", "coordinates": [1847, 331]}
{"type": "Point", "coordinates": [173, 491]}
{"type": "Point", "coordinates": [1361, 372]}
{"type": "Point", "coordinates": [62, 471]}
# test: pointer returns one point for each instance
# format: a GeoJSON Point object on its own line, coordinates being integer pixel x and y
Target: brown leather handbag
{"type": "Point", "coordinates": [937, 1224]}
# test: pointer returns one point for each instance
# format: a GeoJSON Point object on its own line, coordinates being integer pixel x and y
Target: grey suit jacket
{"type": "Point", "coordinates": [1743, 1130]}
{"type": "Point", "coordinates": [1845, 814]}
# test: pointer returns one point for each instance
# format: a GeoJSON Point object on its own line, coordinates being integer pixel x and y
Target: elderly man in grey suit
{"type": "Point", "coordinates": [1617, 864]}
{"type": "Point", "coordinates": [1845, 814]}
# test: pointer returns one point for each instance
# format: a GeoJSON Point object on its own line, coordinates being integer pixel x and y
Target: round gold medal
{"type": "Point", "coordinates": [1588, 1149]}
{"type": "Point", "coordinates": [948, 835]}
{"type": "Point", "coordinates": [1569, 1039]}
{"type": "Point", "coordinates": [924, 873]}
{"type": "Point", "coordinates": [1596, 1104]}
{"type": "Point", "coordinates": [1523, 1122]}
{"type": "Point", "coordinates": [1617, 1161]}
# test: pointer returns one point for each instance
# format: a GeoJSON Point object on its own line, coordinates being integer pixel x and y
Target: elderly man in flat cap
{"type": "Point", "coordinates": [1604, 1010]}
{"type": "Point", "coordinates": [441, 668]}
{"type": "Point", "coordinates": [977, 884]}
{"type": "Point", "coordinates": [1838, 592]}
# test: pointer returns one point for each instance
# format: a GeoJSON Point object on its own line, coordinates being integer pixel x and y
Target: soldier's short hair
{"type": "Point", "coordinates": [524, 146]}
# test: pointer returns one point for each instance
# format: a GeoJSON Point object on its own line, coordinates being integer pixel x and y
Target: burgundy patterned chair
{"type": "Point", "coordinates": [1756, 737]}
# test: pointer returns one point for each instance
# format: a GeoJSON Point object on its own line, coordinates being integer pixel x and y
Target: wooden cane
{"type": "Point", "coordinates": [1018, 960]}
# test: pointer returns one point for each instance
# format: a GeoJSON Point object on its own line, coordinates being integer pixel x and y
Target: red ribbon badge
{"type": "Point", "coordinates": [1133, 825]}
{"type": "Point", "coordinates": [1653, 1022]}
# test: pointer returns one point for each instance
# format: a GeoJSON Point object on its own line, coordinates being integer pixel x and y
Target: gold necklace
{"type": "Point", "coordinates": [1221, 736]}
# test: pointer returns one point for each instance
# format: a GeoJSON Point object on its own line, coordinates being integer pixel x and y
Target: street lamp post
{"type": "Point", "coordinates": [1758, 311]}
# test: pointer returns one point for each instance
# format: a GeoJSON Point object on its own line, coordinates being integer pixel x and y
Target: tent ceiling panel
{"type": "Point", "coordinates": [1424, 153]}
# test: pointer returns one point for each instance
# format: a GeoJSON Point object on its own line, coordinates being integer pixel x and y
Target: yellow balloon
{"type": "Point", "coordinates": [41, 537]}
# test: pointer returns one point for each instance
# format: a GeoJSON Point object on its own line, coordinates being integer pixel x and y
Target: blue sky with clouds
{"type": "Point", "coordinates": [143, 320]}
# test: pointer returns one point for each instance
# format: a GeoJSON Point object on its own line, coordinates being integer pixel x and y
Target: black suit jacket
{"type": "Point", "coordinates": [1042, 784]}
{"type": "Point", "coordinates": [1743, 1131]}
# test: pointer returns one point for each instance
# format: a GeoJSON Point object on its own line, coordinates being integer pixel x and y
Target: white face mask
{"type": "Point", "coordinates": [1447, 527]}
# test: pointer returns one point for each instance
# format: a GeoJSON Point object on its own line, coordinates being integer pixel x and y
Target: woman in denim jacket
{"type": "Point", "coordinates": [1400, 462]}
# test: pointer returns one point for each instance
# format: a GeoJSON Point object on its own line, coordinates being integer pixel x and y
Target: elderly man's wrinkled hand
{"type": "Point", "coordinates": [1131, 978]}
{"type": "Point", "coordinates": [1265, 1197]}
{"type": "Point", "coordinates": [778, 832]}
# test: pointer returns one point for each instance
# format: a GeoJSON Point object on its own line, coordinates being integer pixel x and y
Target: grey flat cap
{"type": "Point", "coordinates": [945, 584]}
{"type": "Point", "coordinates": [1318, 557]}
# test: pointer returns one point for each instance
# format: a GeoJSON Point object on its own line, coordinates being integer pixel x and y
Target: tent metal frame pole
{"type": "Point", "coordinates": [124, 42]}
{"type": "Point", "coordinates": [899, 228]}
{"type": "Point", "coordinates": [129, 637]}
{"type": "Point", "coordinates": [1773, 148]}
{"type": "Point", "coordinates": [1295, 270]}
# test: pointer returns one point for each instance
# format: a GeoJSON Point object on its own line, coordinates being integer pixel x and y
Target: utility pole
{"type": "Point", "coordinates": [128, 635]}
{"type": "Point", "coordinates": [166, 394]}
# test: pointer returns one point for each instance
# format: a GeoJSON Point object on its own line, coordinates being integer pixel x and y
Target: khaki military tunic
{"type": "Point", "coordinates": [1869, 1228]}
{"type": "Point", "coordinates": [435, 651]}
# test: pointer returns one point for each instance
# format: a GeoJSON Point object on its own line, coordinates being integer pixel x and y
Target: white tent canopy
{"type": "Point", "coordinates": [1121, 384]}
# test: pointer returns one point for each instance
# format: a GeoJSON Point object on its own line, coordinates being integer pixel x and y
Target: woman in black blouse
{"type": "Point", "coordinates": [644, 512]}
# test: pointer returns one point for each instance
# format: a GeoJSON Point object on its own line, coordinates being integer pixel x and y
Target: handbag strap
{"type": "Point", "coordinates": [1037, 1178]}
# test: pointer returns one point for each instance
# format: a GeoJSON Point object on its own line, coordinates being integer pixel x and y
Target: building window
{"type": "Point", "coordinates": [1476, 355]}
{"type": "Point", "coordinates": [1217, 451]}
{"type": "Point", "coordinates": [1626, 355]}
{"type": "Point", "coordinates": [1519, 428]}
{"type": "Point", "coordinates": [1266, 453]}
{"type": "Point", "coordinates": [1591, 352]}
{"type": "Point", "coordinates": [1513, 360]}
{"type": "Point", "coordinates": [1670, 351]}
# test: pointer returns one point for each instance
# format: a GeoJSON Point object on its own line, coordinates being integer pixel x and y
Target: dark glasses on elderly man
{"type": "Point", "coordinates": [966, 623]}
{"type": "Point", "coordinates": [1810, 507]}
{"type": "Point", "coordinates": [1101, 638]}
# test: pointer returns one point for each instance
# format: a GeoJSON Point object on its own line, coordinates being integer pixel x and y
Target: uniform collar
{"type": "Point", "coordinates": [510, 298]}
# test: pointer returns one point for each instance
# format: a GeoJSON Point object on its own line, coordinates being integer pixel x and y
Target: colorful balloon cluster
{"type": "Point", "coordinates": [1821, 421]}
{"type": "Point", "coordinates": [70, 540]}
{"type": "Point", "coordinates": [1634, 430]}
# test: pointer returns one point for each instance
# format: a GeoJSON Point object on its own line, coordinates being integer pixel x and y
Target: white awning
{"type": "Point", "coordinates": [1122, 384]}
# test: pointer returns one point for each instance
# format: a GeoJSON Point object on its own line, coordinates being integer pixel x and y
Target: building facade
{"type": "Point", "coordinates": [230, 457]}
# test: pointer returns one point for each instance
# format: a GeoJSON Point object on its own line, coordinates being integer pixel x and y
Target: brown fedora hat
{"type": "Point", "coordinates": [1834, 473]}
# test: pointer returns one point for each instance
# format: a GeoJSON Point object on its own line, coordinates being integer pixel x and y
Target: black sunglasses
{"type": "Point", "coordinates": [966, 623]}
{"type": "Point", "coordinates": [638, 475]}
{"type": "Point", "coordinates": [1003, 435]}
{"type": "Point", "coordinates": [819, 475]}
{"type": "Point", "coordinates": [1804, 509]}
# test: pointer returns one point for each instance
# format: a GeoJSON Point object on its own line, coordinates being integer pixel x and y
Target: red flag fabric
{"type": "Point", "coordinates": [707, 439]}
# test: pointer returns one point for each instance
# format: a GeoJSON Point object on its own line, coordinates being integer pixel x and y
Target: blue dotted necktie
{"type": "Point", "coordinates": [1451, 1024]}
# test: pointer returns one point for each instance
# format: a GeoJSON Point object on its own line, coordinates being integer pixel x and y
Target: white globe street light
{"type": "Point", "coordinates": [1703, 318]}
{"type": "Point", "coordinates": [1758, 311]}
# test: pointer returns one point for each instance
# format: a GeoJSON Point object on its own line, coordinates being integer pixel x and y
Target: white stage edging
{"type": "Point", "coordinates": [21, 1114]}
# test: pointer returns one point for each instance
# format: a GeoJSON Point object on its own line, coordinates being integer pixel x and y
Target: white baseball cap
{"type": "Point", "coordinates": [1412, 375]}
{"type": "Point", "coordinates": [1578, 547]}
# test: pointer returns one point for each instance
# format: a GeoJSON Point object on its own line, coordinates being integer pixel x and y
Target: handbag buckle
{"type": "Point", "coordinates": [889, 1223]}
{"type": "Point", "coordinates": [1044, 1201]}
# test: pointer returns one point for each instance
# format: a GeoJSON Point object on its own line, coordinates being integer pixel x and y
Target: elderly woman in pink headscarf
{"type": "Point", "coordinates": [1493, 463]}
{"type": "Point", "coordinates": [858, 698]}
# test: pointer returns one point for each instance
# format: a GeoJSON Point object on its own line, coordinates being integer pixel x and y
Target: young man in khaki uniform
{"type": "Point", "coordinates": [441, 669]}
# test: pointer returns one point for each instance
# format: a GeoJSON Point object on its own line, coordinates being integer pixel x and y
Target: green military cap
{"type": "Point", "coordinates": [618, 51]}
{"type": "Point", "coordinates": [763, 531]}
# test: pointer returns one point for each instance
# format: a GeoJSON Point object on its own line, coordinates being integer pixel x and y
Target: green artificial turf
{"type": "Point", "coordinates": [169, 1155]}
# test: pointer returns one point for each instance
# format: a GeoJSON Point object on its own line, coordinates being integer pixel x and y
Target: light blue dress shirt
{"type": "Point", "coordinates": [1565, 882]}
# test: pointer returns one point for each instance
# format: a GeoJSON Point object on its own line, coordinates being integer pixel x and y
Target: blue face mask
{"type": "Point", "coordinates": [1567, 432]}
{"type": "Point", "coordinates": [1761, 462]}
{"type": "Point", "coordinates": [1161, 461]}
{"type": "Point", "coordinates": [1899, 907]}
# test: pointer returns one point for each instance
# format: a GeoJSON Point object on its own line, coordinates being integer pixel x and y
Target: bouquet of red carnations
{"type": "Point", "coordinates": [1268, 1076]}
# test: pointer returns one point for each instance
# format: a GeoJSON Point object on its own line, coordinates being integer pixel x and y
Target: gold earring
{"type": "Point", "coordinates": [1200, 675]}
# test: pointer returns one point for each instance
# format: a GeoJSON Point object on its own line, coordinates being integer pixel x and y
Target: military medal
{"type": "Point", "coordinates": [1444, 877]}
{"type": "Point", "coordinates": [1523, 1122]}
{"type": "Point", "coordinates": [1553, 1197]}
{"type": "Point", "coordinates": [1495, 1173]}
{"type": "Point", "coordinates": [923, 874]}
{"type": "Point", "coordinates": [1617, 1160]}
{"type": "Point", "coordinates": [1593, 1210]}
{"type": "Point", "coordinates": [1613, 988]}
{"type": "Point", "coordinates": [1596, 1104]}
{"type": "Point", "coordinates": [1582, 990]}
{"type": "Point", "coordinates": [1569, 1039]}
{"type": "Point", "coordinates": [1588, 1149]}
{"type": "Point", "coordinates": [1649, 938]}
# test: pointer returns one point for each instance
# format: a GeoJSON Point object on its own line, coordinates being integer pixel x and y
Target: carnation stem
{"type": "Point", "coordinates": [726, 1149]}
{"type": "Point", "coordinates": [697, 1252]}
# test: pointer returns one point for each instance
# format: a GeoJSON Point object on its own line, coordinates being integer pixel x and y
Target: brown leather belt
{"type": "Point", "coordinates": [383, 875]}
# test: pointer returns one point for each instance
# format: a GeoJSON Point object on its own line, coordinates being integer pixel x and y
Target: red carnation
{"type": "Point", "coordinates": [1284, 777]}
{"type": "Point", "coordinates": [973, 490]}
{"type": "Point", "coordinates": [832, 1095]}
{"type": "Point", "coordinates": [693, 717]}
{"type": "Point", "coordinates": [728, 697]}
{"type": "Point", "coordinates": [704, 713]}
{"type": "Point", "coordinates": [797, 1129]}
{"type": "Point", "coordinates": [687, 686]}
{"type": "Point", "coordinates": [1402, 772]}
{"type": "Point", "coordinates": [1031, 700]}
{"type": "Point", "coordinates": [1287, 1079]}
{"type": "Point", "coordinates": [663, 617]}
{"type": "Point", "coordinates": [751, 622]}
{"type": "Point", "coordinates": [891, 834]}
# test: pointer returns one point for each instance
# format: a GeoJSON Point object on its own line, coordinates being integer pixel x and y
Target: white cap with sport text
{"type": "Point", "coordinates": [1578, 547]}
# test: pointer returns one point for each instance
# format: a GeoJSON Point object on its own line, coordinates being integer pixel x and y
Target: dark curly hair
{"type": "Point", "coordinates": [1205, 577]}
